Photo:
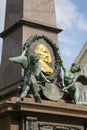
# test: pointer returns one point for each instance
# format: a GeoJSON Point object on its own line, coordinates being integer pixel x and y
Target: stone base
{"type": "Point", "coordinates": [28, 115]}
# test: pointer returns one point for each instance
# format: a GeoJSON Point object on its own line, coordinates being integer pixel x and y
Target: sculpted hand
{"type": "Point", "coordinates": [48, 81]}
{"type": "Point", "coordinates": [64, 89]}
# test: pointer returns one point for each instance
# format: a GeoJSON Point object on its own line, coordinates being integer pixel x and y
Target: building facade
{"type": "Point", "coordinates": [82, 60]}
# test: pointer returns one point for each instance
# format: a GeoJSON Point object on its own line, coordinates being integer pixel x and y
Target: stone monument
{"type": "Point", "coordinates": [24, 19]}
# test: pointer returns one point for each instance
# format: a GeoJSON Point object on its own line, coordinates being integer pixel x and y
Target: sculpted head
{"type": "Point", "coordinates": [34, 58]}
{"type": "Point", "coordinates": [75, 67]}
{"type": "Point", "coordinates": [44, 53]}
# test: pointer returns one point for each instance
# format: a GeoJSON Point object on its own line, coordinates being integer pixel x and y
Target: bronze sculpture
{"type": "Point", "coordinates": [70, 80]}
{"type": "Point", "coordinates": [33, 71]}
{"type": "Point", "coordinates": [37, 67]}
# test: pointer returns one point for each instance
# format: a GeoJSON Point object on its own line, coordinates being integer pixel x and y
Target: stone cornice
{"type": "Point", "coordinates": [31, 24]}
{"type": "Point", "coordinates": [10, 90]}
{"type": "Point", "coordinates": [60, 108]}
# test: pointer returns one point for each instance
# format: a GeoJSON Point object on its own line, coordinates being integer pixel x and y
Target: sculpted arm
{"type": "Point", "coordinates": [22, 59]}
{"type": "Point", "coordinates": [71, 84]}
{"type": "Point", "coordinates": [62, 64]}
{"type": "Point", "coordinates": [44, 78]}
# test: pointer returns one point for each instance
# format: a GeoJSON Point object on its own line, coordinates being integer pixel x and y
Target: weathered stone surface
{"type": "Point", "coordinates": [48, 113]}
{"type": "Point", "coordinates": [23, 19]}
{"type": "Point", "coordinates": [41, 11]}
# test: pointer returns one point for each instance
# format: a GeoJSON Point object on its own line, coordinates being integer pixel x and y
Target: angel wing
{"type": "Point", "coordinates": [22, 59]}
{"type": "Point", "coordinates": [82, 79]}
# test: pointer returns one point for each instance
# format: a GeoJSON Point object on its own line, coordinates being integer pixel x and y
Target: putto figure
{"type": "Point", "coordinates": [33, 68]}
{"type": "Point", "coordinates": [70, 81]}
{"type": "Point", "coordinates": [41, 64]}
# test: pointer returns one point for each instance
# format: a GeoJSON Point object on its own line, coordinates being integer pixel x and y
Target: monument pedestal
{"type": "Point", "coordinates": [48, 115]}
{"type": "Point", "coordinates": [25, 18]}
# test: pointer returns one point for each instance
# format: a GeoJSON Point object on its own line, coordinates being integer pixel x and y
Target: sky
{"type": "Point", "coordinates": [71, 16]}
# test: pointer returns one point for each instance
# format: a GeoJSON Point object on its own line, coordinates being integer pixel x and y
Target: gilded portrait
{"type": "Point", "coordinates": [45, 58]}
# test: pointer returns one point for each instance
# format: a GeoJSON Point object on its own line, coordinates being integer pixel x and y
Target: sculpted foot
{"type": "Point", "coordinates": [24, 94]}
{"type": "Point", "coordinates": [38, 99]}
{"type": "Point", "coordinates": [19, 99]}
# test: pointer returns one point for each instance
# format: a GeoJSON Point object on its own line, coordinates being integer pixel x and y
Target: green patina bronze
{"type": "Point", "coordinates": [70, 81]}
{"type": "Point", "coordinates": [51, 84]}
{"type": "Point", "coordinates": [33, 73]}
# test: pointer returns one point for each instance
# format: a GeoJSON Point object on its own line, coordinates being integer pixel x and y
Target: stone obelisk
{"type": "Point", "coordinates": [23, 18]}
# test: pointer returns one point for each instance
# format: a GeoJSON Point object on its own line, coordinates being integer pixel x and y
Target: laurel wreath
{"type": "Point", "coordinates": [54, 48]}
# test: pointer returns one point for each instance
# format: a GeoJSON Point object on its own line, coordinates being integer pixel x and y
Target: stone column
{"type": "Point", "coordinates": [23, 19]}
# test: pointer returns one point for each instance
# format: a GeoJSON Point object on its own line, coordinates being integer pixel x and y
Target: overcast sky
{"type": "Point", "coordinates": [71, 16]}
